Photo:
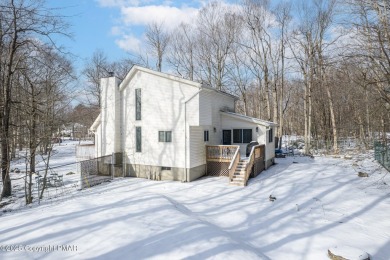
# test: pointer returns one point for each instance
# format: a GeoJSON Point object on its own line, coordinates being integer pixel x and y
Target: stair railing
{"type": "Point", "coordinates": [249, 165]}
{"type": "Point", "coordinates": [234, 163]}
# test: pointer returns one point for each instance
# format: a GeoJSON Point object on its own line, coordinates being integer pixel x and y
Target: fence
{"type": "Point", "coordinates": [58, 183]}
{"type": "Point", "coordinates": [345, 145]}
{"type": "Point", "coordinates": [382, 153]}
{"type": "Point", "coordinates": [96, 171]}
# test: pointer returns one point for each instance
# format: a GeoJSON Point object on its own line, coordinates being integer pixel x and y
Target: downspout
{"type": "Point", "coordinates": [121, 127]}
{"type": "Point", "coordinates": [101, 137]}
{"type": "Point", "coordinates": [187, 177]}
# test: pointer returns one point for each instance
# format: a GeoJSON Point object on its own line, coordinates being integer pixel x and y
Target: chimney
{"type": "Point", "coordinates": [111, 74]}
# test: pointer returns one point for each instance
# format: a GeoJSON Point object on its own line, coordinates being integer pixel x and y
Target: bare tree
{"type": "Point", "coordinates": [259, 46]}
{"type": "Point", "coordinates": [218, 28]}
{"type": "Point", "coordinates": [121, 67]}
{"type": "Point", "coordinates": [308, 46]}
{"type": "Point", "coordinates": [43, 86]}
{"type": "Point", "coordinates": [182, 51]}
{"type": "Point", "coordinates": [283, 17]}
{"type": "Point", "coordinates": [372, 20]}
{"type": "Point", "coordinates": [158, 40]}
{"type": "Point", "coordinates": [96, 67]}
{"type": "Point", "coordinates": [22, 22]}
{"type": "Point", "coordinates": [239, 77]}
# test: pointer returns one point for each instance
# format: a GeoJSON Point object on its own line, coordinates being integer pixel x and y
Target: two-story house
{"type": "Point", "coordinates": [161, 125]}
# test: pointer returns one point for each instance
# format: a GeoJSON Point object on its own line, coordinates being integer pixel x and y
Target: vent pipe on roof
{"type": "Point", "coordinates": [111, 74]}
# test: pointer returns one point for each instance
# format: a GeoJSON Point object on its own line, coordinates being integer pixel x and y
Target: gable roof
{"type": "Point", "coordinates": [135, 68]}
{"type": "Point", "coordinates": [249, 119]}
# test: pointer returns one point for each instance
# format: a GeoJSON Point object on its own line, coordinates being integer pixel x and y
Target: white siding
{"type": "Point", "coordinates": [210, 105]}
{"type": "Point", "coordinates": [98, 141]}
{"type": "Point", "coordinates": [270, 147]}
{"type": "Point", "coordinates": [230, 123]}
{"type": "Point", "coordinates": [167, 104]}
{"type": "Point", "coordinates": [205, 115]}
{"type": "Point", "coordinates": [162, 110]}
{"type": "Point", "coordinates": [197, 146]}
{"type": "Point", "coordinates": [110, 116]}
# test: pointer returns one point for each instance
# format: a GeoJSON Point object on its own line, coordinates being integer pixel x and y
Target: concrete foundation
{"type": "Point", "coordinates": [160, 173]}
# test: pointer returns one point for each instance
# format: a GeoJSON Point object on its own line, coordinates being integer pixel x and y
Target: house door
{"type": "Point", "coordinates": [226, 137]}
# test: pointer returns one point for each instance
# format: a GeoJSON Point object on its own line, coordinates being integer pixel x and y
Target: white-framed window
{"type": "Point", "coordinates": [165, 136]}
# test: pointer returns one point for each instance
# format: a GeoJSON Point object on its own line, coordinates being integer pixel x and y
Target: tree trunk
{"type": "Point", "coordinates": [5, 161]}
{"type": "Point", "coordinates": [33, 141]}
{"type": "Point", "coordinates": [333, 119]}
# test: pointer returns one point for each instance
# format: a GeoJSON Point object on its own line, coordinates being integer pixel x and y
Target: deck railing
{"type": "Point", "coordinates": [222, 160]}
{"type": "Point", "coordinates": [220, 153]}
{"type": "Point", "coordinates": [219, 159]}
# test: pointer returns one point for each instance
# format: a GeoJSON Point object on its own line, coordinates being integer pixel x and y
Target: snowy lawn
{"type": "Point", "coordinates": [62, 162]}
{"type": "Point", "coordinates": [321, 203]}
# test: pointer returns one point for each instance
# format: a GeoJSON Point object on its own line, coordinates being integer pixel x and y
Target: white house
{"type": "Point", "coordinates": [161, 124]}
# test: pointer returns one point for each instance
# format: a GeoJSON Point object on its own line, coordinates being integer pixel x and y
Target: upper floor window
{"type": "Point", "coordinates": [165, 136]}
{"type": "Point", "coordinates": [242, 136]}
{"type": "Point", "coordinates": [138, 104]}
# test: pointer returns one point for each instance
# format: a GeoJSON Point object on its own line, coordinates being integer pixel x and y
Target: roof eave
{"type": "Point", "coordinates": [96, 123]}
{"type": "Point", "coordinates": [220, 92]}
{"type": "Point", "coordinates": [137, 68]}
{"type": "Point", "coordinates": [250, 119]}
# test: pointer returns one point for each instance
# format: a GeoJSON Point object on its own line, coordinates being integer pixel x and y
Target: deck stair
{"type": "Point", "coordinates": [239, 174]}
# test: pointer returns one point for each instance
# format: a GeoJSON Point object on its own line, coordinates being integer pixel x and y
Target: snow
{"type": "Point", "coordinates": [321, 203]}
{"type": "Point", "coordinates": [62, 162]}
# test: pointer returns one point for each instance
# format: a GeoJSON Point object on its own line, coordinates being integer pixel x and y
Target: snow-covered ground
{"type": "Point", "coordinates": [62, 162]}
{"type": "Point", "coordinates": [321, 203]}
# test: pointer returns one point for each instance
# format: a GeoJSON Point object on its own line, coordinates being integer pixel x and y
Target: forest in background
{"type": "Point", "coordinates": [319, 69]}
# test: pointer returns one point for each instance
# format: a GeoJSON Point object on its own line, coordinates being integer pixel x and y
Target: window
{"type": "Point", "coordinates": [166, 168]}
{"type": "Point", "coordinates": [206, 135]}
{"type": "Point", "coordinates": [242, 136]}
{"type": "Point", "coordinates": [246, 135]}
{"type": "Point", "coordinates": [270, 136]}
{"type": "Point", "coordinates": [138, 140]}
{"type": "Point", "coordinates": [165, 136]}
{"type": "Point", "coordinates": [138, 104]}
{"type": "Point", "coordinates": [237, 136]}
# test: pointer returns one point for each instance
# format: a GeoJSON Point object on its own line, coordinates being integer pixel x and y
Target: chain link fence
{"type": "Point", "coordinates": [382, 153]}
{"type": "Point", "coordinates": [345, 145]}
{"type": "Point", "coordinates": [96, 171]}
{"type": "Point", "coordinates": [58, 183]}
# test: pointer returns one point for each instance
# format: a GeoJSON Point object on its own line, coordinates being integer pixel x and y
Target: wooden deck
{"type": "Point", "coordinates": [222, 160]}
